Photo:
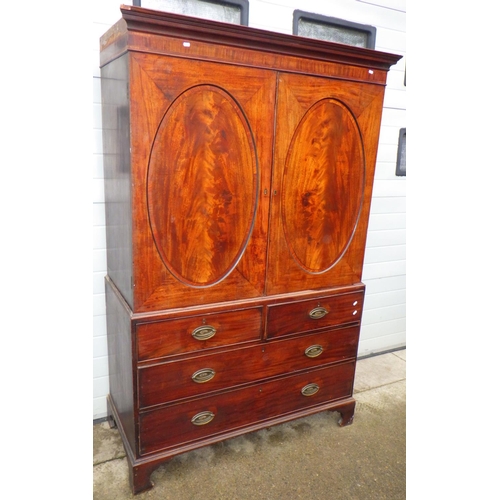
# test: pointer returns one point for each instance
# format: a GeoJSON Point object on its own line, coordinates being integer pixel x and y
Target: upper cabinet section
{"type": "Point", "coordinates": [238, 162]}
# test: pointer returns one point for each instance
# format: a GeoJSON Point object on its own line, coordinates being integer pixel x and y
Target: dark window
{"type": "Point", "coordinates": [401, 161]}
{"type": "Point", "coordinates": [227, 11]}
{"type": "Point", "coordinates": [333, 29]}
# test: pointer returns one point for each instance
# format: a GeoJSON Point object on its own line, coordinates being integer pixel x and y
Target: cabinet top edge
{"type": "Point", "coordinates": [139, 19]}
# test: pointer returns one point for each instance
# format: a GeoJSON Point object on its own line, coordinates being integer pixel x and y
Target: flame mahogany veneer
{"type": "Point", "coordinates": [239, 166]}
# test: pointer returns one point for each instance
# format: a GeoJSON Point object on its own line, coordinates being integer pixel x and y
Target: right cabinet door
{"type": "Point", "coordinates": [325, 150]}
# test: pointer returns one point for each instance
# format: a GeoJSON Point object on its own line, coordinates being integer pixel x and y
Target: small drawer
{"type": "Point", "coordinates": [166, 338]}
{"type": "Point", "coordinates": [199, 419]}
{"type": "Point", "coordinates": [167, 382]}
{"type": "Point", "coordinates": [296, 317]}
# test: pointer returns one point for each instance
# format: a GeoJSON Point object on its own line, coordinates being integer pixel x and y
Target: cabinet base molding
{"type": "Point", "coordinates": [141, 468]}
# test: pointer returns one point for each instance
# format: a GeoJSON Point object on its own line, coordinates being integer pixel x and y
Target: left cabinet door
{"type": "Point", "coordinates": [201, 153]}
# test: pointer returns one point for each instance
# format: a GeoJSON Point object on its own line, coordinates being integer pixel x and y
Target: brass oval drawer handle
{"type": "Point", "coordinates": [310, 389]}
{"type": "Point", "coordinates": [313, 351]}
{"type": "Point", "coordinates": [203, 375]}
{"type": "Point", "coordinates": [318, 313]}
{"type": "Point", "coordinates": [204, 332]}
{"type": "Point", "coordinates": [203, 418]}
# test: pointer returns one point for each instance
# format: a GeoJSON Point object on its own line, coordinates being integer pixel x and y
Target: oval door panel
{"type": "Point", "coordinates": [202, 186]}
{"type": "Point", "coordinates": [323, 186]}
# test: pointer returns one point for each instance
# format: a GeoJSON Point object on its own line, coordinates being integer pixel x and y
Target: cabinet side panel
{"type": "Point", "coordinates": [120, 362]}
{"type": "Point", "coordinates": [116, 148]}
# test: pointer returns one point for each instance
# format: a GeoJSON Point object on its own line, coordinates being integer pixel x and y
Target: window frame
{"type": "Point", "coordinates": [242, 4]}
{"type": "Point", "coordinates": [399, 171]}
{"type": "Point", "coordinates": [370, 31]}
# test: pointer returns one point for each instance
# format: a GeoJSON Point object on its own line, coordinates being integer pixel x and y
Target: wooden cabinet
{"type": "Point", "coordinates": [238, 167]}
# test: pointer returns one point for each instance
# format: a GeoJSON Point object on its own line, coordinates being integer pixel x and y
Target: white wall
{"type": "Point", "coordinates": [384, 317]}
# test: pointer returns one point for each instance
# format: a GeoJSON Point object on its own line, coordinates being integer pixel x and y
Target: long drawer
{"type": "Point", "coordinates": [202, 374]}
{"type": "Point", "coordinates": [301, 316]}
{"type": "Point", "coordinates": [211, 415]}
{"type": "Point", "coordinates": [166, 338]}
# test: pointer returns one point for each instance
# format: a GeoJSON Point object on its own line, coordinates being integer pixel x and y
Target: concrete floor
{"type": "Point", "coordinates": [310, 458]}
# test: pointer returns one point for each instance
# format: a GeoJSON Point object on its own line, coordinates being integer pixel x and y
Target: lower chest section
{"type": "Point", "coordinates": [207, 375]}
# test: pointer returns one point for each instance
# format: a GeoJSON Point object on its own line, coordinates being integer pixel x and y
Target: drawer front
{"type": "Point", "coordinates": [166, 338]}
{"type": "Point", "coordinates": [296, 317]}
{"type": "Point", "coordinates": [211, 415]}
{"type": "Point", "coordinates": [203, 374]}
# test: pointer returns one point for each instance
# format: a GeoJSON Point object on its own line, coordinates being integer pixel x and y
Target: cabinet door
{"type": "Point", "coordinates": [325, 150]}
{"type": "Point", "coordinates": [201, 140]}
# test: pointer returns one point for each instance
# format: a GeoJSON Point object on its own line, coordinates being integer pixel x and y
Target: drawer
{"type": "Point", "coordinates": [199, 375]}
{"type": "Point", "coordinates": [218, 414]}
{"type": "Point", "coordinates": [166, 338]}
{"type": "Point", "coordinates": [296, 317]}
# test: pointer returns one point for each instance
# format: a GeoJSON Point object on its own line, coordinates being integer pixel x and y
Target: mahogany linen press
{"type": "Point", "coordinates": [238, 167]}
